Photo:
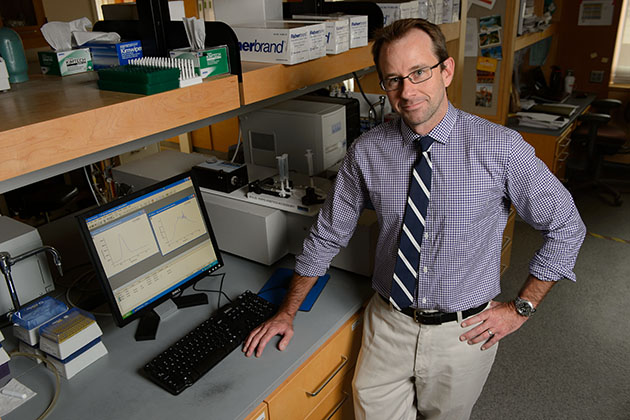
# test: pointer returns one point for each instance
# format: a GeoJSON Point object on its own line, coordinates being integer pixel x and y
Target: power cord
{"type": "Point", "coordinates": [372, 111]}
{"type": "Point", "coordinates": [54, 370]}
{"type": "Point", "coordinates": [220, 291]}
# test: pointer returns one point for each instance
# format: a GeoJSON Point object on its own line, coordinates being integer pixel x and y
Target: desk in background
{"type": "Point", "coordinates": [552, 146]}
{"type": "Point", "coordinates": [115, 388]}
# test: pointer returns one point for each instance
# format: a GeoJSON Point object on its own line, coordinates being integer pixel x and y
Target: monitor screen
{"type": "Point", "coordinates": [147, 246]}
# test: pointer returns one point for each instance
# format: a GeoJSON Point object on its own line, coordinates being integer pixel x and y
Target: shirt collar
{"type": "Point", "coordinates": [440, 132]}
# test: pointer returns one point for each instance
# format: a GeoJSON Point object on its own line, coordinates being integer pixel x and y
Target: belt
{"type": "Point", "coordinates": [422, 316]}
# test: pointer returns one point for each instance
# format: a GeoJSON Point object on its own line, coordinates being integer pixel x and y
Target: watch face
{"type": "Point", "coordinates": [523, 307]}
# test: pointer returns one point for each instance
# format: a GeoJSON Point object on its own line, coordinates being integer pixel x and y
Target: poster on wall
{"type": "Point", "coordinates": [483, 95]}
{"type": "Point", "coordinates": [596, 13]}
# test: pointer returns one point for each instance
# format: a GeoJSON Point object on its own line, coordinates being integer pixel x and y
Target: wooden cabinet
{"type": "Point", "coordinates": [553, 150]}
{"type": "Point", "coordinates": [25, 17]}
{"type": "Point", "coordinates": [497, 108]}
{"type": "Point", "coordinates": [260, 413]}
{"type": "Point", "coordinates": [321, 387]}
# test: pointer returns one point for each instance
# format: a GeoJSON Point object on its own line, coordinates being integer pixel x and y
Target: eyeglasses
{"type": "Point", "coordinates": [417, 76]}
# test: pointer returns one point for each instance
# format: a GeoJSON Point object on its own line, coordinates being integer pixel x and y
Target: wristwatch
{"type": "Point", "coordinates": [524, 307]}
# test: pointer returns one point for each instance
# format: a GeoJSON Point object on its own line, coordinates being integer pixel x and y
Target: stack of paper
{"type": "Point", "coordinates": [565, 110]}
{"type": "Point", "coordinates": [540, 120]}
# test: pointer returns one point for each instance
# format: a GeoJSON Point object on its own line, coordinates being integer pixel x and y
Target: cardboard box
{"type": "Point", "coordinates": [109, 54]}
{"type": "Point", "coordinates": [357, 26]}
{"type": "Point", "coordinates": [208, 62]}
{"type": "Point", "coordinates": [270, 42]}
{"type": "Point", "coordinates": [391, 12]}
{"type": "Point", "coordinates": [317, 36]}
{"type": "Point", "coordinates": [64, 63]}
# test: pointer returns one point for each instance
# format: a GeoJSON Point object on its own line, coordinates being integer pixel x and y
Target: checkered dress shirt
{"type": "Point", "coordinates": [479, 169]}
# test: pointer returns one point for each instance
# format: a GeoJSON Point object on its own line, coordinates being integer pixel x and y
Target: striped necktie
{"type": "Point", "coordinates": [405, 279]}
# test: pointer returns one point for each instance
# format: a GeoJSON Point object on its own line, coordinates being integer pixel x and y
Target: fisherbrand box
{"type": "Point", "coordinates": [63, 63]}
{"type": "Point", "coordinates": [273, 42]}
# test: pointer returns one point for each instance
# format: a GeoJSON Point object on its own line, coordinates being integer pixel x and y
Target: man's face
{"type": "Point", "coordinates": [422, 106]}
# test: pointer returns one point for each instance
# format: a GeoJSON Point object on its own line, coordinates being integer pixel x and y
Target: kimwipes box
{"type": "Point", "coordinates": [273, 42]}
{"type": "Point", "coordinates": [63, 63]}
{"type": "Point", "coordinates": [108, 54]}
{"type": "Point", "coordinates": [210, 61]}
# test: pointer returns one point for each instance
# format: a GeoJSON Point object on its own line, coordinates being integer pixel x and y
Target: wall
{"type": "Point", "coordinates": [577, 44]}
{"type": "Point", "coordinates": [66, 10]}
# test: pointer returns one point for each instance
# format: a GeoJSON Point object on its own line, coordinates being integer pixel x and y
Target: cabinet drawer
{"type": "Point", "coordinates": [337, 404]}
{"type": "Point", "coordinates": [260, 413]}
{"type": "Point", "coordinates": [326, 369]}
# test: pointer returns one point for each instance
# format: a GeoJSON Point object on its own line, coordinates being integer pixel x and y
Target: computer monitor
{"type": "Point", "coordinates": [148, 246]}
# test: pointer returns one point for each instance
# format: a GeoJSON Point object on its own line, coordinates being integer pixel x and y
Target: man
{"type": "Point", "coordinates": [415, 357]}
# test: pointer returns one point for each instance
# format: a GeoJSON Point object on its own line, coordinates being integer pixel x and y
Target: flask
{"type": "Point", "coordinates": [569, 82]}
{"type": "Point", "coordinates": [12, 50]}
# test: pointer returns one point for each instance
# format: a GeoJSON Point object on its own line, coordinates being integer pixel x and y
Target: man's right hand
{"type": "Point", "coordinates": [280, 324]}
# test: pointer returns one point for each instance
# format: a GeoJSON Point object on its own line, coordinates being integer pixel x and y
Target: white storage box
{"type": "Point", "coordinates": [316, 35]}
{"type": "Point", "coordinates": [270, 42]}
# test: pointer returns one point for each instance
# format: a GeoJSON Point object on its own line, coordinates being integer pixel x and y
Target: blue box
{"type": "Point", "coordinates": [109, 54]}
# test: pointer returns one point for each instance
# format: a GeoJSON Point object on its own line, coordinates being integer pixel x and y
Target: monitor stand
{"type": "Point", "coordinates": [148, 325]}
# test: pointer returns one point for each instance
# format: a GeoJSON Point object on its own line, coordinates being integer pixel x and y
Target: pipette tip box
{"type": "Point", "coordinates": [79, 360]}
{"type": "Point", "coordinates": [68, 333]}
{"type": "Point", "coordinates": [27, 320]}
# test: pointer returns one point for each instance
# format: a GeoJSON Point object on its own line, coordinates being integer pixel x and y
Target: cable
{"type": "Point", "coordinates": [54, 370]}
{"type": "Point", "coordinates": [238, 144]}
{"type": "Point", "coordinates": [371, 105]}
{"type": "Point", "coordinates": [220, 291]}
{"type": "Point", "coordinates": [89, 181]}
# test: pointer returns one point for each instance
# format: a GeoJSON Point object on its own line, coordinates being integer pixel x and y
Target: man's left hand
{"type": "Point", "coordinates": [492, 324]}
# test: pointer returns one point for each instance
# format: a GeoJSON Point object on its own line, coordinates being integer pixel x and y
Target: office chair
{"type": "Point", "coordinates": [588, 151]}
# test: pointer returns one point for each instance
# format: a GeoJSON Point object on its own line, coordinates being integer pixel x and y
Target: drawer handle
{"type": "Point", "coordinates": [565, 142]}
{"type": "Point", "coordinates": [330, 378]}
{"type": "Point", "coordinates": [511, 212]}
{"type": "Point", "coordinates": [506, 242]}
{"type": "Point", "coordinates": [564, 157]}
{"type": "Point", "coordinates": [345, 398]}
{"type": "Point", "coordinates": [503, 268]}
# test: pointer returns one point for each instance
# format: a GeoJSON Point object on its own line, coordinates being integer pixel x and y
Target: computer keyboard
{"type": "Point", "coordinates": [192, 356]}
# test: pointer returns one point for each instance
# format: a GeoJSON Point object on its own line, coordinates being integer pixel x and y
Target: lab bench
{"type": "Point", "coordinates": [325, 342]}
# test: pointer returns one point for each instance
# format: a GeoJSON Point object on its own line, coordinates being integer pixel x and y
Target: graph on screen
{"type": "Point", "coordinates": [177, 225]}
{"type": "Point", "coordinates": [123, 244]}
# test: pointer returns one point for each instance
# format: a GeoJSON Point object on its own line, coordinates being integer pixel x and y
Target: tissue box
{"type": "Point", "coordinates": [63, 63]}
{"type": "Point", "coordinates": [208, 62]}
{"type": "Point", "coordinates": [273, 42]}
{"type": "Point", "coordinates": [113, 54]}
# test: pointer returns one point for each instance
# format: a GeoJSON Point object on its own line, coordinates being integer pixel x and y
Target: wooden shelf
{"type": "Point", "coordinates": [526, 40]}
{"type": "Point", "coordinates": [450, 30]}
{"type": "Point", "coordinates": [263, 81]}
{"type": "Point", "coordinates": [50, 120]}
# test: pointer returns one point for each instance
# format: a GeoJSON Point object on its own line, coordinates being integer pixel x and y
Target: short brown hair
{"type": "Point", "coordinates": [399, 28]}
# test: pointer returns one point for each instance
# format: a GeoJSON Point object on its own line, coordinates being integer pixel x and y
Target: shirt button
{"type": "Point", "coordinates": [425, 269]}
{"type": "Point", "coordinates": [426, 235]}
{"type": "Point", "coordinates": [424, 300]}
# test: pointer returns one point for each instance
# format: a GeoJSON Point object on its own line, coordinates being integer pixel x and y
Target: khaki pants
{"type": "Point", "coordinates": [405, 369]}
